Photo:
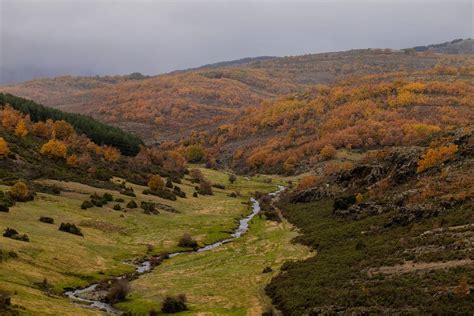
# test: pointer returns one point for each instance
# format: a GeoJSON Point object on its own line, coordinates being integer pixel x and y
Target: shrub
{"type": "Point", "coordinates": [344, 202]}
{"type": "Point", "coordinates": [118, 291]}
{"type": "Point", "coordinates": [132, 204]}
{"type": "Point", "coordinates": [46, 219]}
{"type": "Point", "coordinates": [20, 192]}
{"type": "Point", "coordinates": [186, 241]}
{"type": "Point", "coordinates": [195, 153]}
{"type": "Point", "coordinates": [13, 234]}
{"type": "Point", "coordinates": [4, 207]}
{"type": "Point", "coordinates": [149, 208]}
{"type": "Point", "coordinates": [232, 178]}
{"type": "Point", "coordinates": [195, 194]}
{"type": "Point", "coordinates": [177, 191]}
{"type": "Point", "coordinates": [205, 188]}
{"type": "Point", "coordinates": [174, 304]}
{"type": "Point", "coordinates": [169, 183]}
{"type": "Point", "coordinates": [196, 175]}
{"type": "Point", "coordinates": [108, 197]}
{"type": "Point", "coordinates": [70, 228]}
{"type": "Point", "coordinates": [219, 186]}
{"type": "Point", "coordinates": [119, 200]}
{"type": "Point", "coordinates": [86, 204]}
{"type": "Point", "coordinates": [117, 207]}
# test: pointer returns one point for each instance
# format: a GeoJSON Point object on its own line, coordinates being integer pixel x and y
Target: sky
{"type": "Point", "coordinates": [98, 37]}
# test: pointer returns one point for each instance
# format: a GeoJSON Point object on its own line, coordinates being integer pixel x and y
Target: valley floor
{"type": "Point", "coordinates": [227, 280]}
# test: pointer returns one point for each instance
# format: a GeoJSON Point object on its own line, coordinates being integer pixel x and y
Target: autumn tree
{"type": "Point", "coordinates": [111, 154]}
{"type": "Point", "coordinates": [54, 149]}
{"type": "Point", "coordinates": [156, 182]}
{"type": "Point", "coordinates": [20, 192]}
{"type": "Point", "coordinates": [41, 129]}
{"type": "Point", "coordinates": [306, 183]}
{"type": "Point", "coordinates": [71, 160]}
{"type": "Point", "coordinates": [20, 129]}
{"type": "Point", "coordinates": [328, 152]}
{"type": "Point", "coordinates": [4, 149]}
{"type": "Point", "coordinates": [435, 156]}
{"type": "Point", "coordinates": [62, 129]}
{"type": "Point", "coordinates": [10, 118]}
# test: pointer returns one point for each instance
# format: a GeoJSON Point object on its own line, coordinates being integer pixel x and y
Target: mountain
{"type": "Point", "coordinates": [169, 106]}
{"type": "Point", "coordinates": [457, 46]}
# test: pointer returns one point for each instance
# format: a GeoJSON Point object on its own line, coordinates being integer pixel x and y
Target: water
{"type": "Point", "coordinates": [76, 295]}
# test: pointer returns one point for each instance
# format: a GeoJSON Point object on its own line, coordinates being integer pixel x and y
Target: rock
{"type": "Point", "coordinates": [311, 195]}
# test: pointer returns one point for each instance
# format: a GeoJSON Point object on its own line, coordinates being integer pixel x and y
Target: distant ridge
{"type": "Point", "coordinates": [457, 46]}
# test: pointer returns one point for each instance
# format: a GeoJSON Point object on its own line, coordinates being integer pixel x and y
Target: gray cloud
{"type": "Point", "coordinates": [118, 37]}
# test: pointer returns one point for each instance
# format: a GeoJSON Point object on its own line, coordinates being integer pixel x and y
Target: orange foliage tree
{"type": "Point", "coordinates": [54, 149]}
{"type": "Point", "coordinates": [4, 150]}
{"type": "Point", "coordinates": [306, 183]}
{"type": "Point", "coordinates": [156, 183]}
{"type": "Point", "coordinates": [111, 154]}
{"type": "Point", "coordinates": [21, 130]}
{"type": "Point", "coordinates": [435, 156]}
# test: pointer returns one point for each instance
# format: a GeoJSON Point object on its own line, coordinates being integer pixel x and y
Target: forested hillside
{"type": "Point", "coordinates": [174, 105]}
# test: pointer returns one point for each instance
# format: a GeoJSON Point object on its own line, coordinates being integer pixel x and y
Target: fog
{"type": "Point", "coordinates": [81, 37]}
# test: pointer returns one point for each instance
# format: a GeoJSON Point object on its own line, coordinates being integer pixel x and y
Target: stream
{"type": "Point", "coordinates": [83, 295]}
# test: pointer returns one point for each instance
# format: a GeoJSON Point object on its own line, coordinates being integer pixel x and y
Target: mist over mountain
{"type": "Point", "coordinates": [153, 37]}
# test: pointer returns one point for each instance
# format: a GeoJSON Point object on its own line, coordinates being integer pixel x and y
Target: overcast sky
{"type": "Point", "coordinates": [119, 37]}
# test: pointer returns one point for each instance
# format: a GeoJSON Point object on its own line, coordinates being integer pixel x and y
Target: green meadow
{"type": "Point", "coordinates": [112, 237]}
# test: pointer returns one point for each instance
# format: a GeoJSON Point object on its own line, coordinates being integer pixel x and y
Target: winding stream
{"type": "Point", "coordinates": [79, 295]}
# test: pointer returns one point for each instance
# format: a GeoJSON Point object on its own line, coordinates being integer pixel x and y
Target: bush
{"type": "Point", "coordinates": [177, 191]}
{"type": "Point", "coordinates": [149, 208]}
{"type": "Point", "coordinates": [205, 188]}
{"type": "Point", "coordinates": [218, 186]}
{"type": "Point", "coordinates": [118, 291]}
{"type": "Point", "coordinates": [174, 304]}
{"type": "Point", "coordinates": [108, 197]}
{"type": "Point", "coordinates": [119, 200]}
{"type": "Point", "coordinates": [132, 204]}
{"type": "Point", "coordinates": [117, 207]}
{"type": "Point", "coordinates": [328, 152]}
{"type": "Point", "coordinates": [343, 203]}
{"type": "Point", "coordinates": [86, 204]}
{"type": "Point", "coordinates": [186, 241]}
{"type": "Point", "coordinates": [169, 183]}
{"type": "Point", "coordinates": [70, 228]}
{"type": "Point", "coordinates": [13, 234]}
{"type": "Point", "coordinates": [4, 207]}
{"type": "Point", "coordinates": [46, 219]}
{"type": "Point", "coordinates": [195, 194]}
{"type": "Point", "coordinates": [232, 178]}
{"type": "Point", "coordinates": [128, 192]}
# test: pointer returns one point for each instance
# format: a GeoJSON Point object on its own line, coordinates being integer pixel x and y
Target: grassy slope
{"type": "Point", "coordinates": [225, 281]}
{"type": "Point", "coordinates": [69, 260]}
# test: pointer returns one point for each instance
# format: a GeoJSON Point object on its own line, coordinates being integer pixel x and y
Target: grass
{"type": "Point", "coordinates": [110, 237]}
{"type": "Point", "coordinates": [224, 281]}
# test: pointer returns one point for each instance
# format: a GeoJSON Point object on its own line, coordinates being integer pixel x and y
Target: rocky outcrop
{"type": "Point", "coordinates": [311, 195]}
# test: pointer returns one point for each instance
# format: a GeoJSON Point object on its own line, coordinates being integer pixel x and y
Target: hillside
{"type": "Point", "coordinates": [73, 212]}
{"type": "Point", "coordinates": [394, 234]}
{"type": "Point", "coordinates": [171, 106]}
{"type": "Point", "coordinates": [291, 134]}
